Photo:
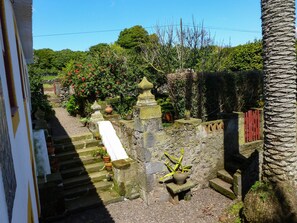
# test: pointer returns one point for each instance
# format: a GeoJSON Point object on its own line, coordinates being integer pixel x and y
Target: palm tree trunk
{"type": "Point", "coordinates": [279, 56]}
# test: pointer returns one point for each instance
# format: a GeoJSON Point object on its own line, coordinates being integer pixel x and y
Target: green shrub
{"type": "Point", "coordinates": [72, 106]}
{"type": "Point", "coordinates": [38, 99]}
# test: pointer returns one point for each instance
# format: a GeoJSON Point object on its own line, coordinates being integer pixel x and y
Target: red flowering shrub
{"type": "Point", "coordinates": [102, 75]}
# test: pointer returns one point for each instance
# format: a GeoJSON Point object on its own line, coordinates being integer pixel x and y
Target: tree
{"type": "Point", "coordinates": [246, 57]}
{"type": "Point", "coordinates": [133, 38]}
{"type": "Point", "coordinates": [279, 56]}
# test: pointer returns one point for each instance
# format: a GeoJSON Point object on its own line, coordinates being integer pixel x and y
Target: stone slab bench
{"type": "Point", "coordinates": [179, 192]}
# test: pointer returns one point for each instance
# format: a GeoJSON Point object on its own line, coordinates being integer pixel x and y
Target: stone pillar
{"type": "Point", "coordinates": [241, 139]}
{"type": "Point", "coordinates": [147, 123]}
{"type": "Point", "coordinates": [95, 117]}
{"type": "Point", "coordinates": [57, 87]}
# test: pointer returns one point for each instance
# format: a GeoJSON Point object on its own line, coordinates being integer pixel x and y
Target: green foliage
{"type": "Point", "coordinates": [213, 93]}
{"type": "Point", "coordinates": [49, 63]}
{"type": "Point", "coordinates": [123, 105]}
{"type": "Point", "coordinates": [212, 59]}
{"type": "Point", "coordinates": [166, 105]}
{"type": "Point", "coordinates": [181, 86]}
{"type": "Point", "coordinates": [103, 74]}
{"type": "Point", "coordinates": [49, 77]}
{"type": "Point", "coordinates": [72, 106]}
{"type": "Point", "coordinates": [246, 57]}
{"type": "Point", "coordinates": [177, 164]}
{"type": "Point", "coordinates": [99, 152]}
{"type": "Point", "coordinates": [263, 189]}
{"type": "Point", "coordinates": [113, 70]}
{"type": "Point", "coordinates": [38, 99]}
{"type": "Point", "coordinates": [133, 38]}
{"type": "Point", "coordinates": [234, 212]}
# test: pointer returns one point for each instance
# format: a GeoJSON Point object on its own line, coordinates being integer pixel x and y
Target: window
{"type": "Point", "coordinates": [7, 62]}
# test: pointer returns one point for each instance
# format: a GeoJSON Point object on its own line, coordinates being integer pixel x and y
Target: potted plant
{"type": "Point", "coordinates": [167, 109]}
{"type": "Point", "coordinates": [178, 171]}
{"type": "Point", "coordinates": [96, 153]}
{"type": "Point", "coordinates": [108, 166]}
{"type": "Point", "coordinates": [108, 109]}
{"type": "Point", "coordinates": [99, 153]}
{"type": "Point", "coordinates": [106, 157]}
{"type": "Point", "coordinates": [104, 154]}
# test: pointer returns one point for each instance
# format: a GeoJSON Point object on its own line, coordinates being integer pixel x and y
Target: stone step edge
{"type": "Point", "coordinates": [87, 168]}
{"type": "Point", "coordinates": [73, 138]}
{"type": "Point", "coordinates": [222, 187]}
{"type": "Point", "coordinates": [85, 179]}
{"type": "Point", "coordinates": [78, 161]}
{"type": "Point", "coordinates": [225, 176]}
{"type": "Point", "coordinates": [76, 153]}
{"type": "Point", "coordinates": [77, 145]}
{"type": "Point", "coordinates": [94, 203]}
{"type": "Point", "coordinates": [82, 190]}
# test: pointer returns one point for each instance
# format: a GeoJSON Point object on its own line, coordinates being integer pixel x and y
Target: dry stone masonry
{"type": "Point", "coordinates": [146, 140]}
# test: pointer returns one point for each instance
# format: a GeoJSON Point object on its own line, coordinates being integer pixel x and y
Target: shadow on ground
{"type": "Point", "coordinates": [68, 202]}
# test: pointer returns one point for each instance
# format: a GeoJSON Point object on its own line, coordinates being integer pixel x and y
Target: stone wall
{"type": "Point", "coordinates": [146, 140]}
{"type": "Point", "coordinates": [203, 144]}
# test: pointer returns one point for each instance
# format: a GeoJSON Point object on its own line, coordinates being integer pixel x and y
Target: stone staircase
{"type": "Point", "coordinates": [224, 184]}
{"type": "Point", "coordinates": [86, 183]}
{"type": "Point", "coordinates": [229, 181]}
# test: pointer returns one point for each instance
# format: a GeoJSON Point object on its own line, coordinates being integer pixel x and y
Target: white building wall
{"type": "Point", "coordinates": [20, 139]}
{"type": "Point", "coordinates": [3, 206]}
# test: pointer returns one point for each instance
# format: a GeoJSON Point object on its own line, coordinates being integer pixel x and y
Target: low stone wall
{"type": "Point", "coordinates": [203, 144]}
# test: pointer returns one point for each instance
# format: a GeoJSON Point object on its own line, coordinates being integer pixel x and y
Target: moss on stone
{"type": "Point", "coordinates": [121, 164]}
{"type": "Point", "coordinates": [191, 121]}
{"type": "Point", "coordinates": [150, 112]}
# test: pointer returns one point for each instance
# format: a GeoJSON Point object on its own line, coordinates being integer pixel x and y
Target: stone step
{"type": "Point", "coordinates": [85, 179]}
{"type": "Point", "coordinates": [91, 200]}
{"type": "Point", "coordinates": [76, 145]}
{"type": "Point", "coordinates": [78, 162]}
{"type": "Point", "coordinates": [68, 155]}
{"type": "Point", "coordinates": [222, 187]}
{"type": "Point", "coordinates": [225, 176]}
{"type": "Point", "coordinates": [67, 139]}
{"type": "Point", "coordinates": [81, 170]}
{"type": "Point", "coordinates": [87, 189]}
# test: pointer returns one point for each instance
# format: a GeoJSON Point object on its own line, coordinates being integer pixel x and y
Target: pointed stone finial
{"type": "Point", "coordinates": [95, 117]}
{"type": "Point", "coordinates": [145, 84]}
{"type": "Point", "coordinates": [95, 107]}
{"type": "Point", "coordinates": [145, 97]}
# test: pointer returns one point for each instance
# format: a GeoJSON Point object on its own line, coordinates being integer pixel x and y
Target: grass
{"type": "Point", "coordinates": [165, 124]}
{"type": "Point", "coordinates": [49, 77]}
{"type": "Point", "coordinates": [232, 213]}
{"type": "Point", "coordinates": [47, 86]}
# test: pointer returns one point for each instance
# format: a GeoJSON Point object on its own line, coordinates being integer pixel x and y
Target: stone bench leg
{"type": "Point", "coordinates": [185, 195]}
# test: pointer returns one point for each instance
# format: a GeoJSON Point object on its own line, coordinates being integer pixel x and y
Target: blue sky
{"type": "Point", "coordinates": [100, 21]}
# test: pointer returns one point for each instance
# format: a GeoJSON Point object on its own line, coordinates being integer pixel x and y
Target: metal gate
{"type": "Point", "coordinates": [252, 125]}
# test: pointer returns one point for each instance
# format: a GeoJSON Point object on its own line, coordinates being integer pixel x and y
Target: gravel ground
{"type": "Point", "coordinates": [64, 124]}
{"type": "Point", "coordinates": [205, 206]}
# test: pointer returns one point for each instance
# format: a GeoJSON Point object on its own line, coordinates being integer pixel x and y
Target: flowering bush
{"type": "Point", "coordinates": [102, 75]}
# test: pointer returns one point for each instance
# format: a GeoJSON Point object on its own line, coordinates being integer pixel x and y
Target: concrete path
{"type": "Point", "coordinates": [63, 124]}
